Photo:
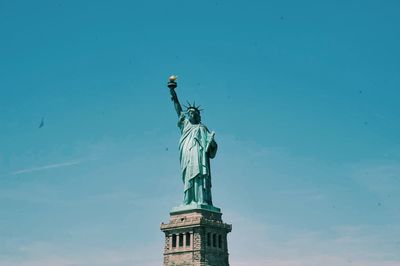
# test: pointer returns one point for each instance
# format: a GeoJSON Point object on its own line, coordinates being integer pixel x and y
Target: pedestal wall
{"type": "Point", "coordinates": [196, 238]}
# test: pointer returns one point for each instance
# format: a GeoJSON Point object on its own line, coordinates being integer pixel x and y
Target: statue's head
{"type": "Point", "coordinates": [193, 113]}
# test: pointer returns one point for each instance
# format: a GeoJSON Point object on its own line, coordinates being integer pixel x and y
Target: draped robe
{"type": "Point", "coordinates": [196, 147]}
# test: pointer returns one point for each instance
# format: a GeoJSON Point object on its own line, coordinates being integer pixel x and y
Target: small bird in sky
{"type": "Point", "coordinates": [41, 123]}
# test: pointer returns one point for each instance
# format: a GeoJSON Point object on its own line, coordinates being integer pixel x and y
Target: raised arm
{"type": "Point", "coordinates": [177, 105]}
{"type": "Point", "coordinates": [172, 85]}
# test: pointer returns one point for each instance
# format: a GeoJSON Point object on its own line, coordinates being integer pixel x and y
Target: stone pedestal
{"type": "Point", "coordinates": [196, 237]}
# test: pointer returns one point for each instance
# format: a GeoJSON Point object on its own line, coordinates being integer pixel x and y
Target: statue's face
{"type": "Point", "coordinates": [194, 116]}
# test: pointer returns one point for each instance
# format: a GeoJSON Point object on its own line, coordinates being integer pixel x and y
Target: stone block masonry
{"type": "Point", "coordinates": [196, 237]}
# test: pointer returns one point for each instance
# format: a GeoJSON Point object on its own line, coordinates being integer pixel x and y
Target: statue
{"type": "Point", "coordinates": [196, 146]}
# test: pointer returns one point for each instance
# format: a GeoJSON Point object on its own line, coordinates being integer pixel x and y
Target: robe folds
{"type": "Point", "coordinates": [196, 147]}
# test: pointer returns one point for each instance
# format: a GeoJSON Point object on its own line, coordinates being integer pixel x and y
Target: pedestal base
{"type": "Point", "coordinates": [196, 237]}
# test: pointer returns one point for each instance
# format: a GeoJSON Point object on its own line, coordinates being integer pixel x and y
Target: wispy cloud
{"type": "Point", "coordinates": [327, 260]}
{"type": "Point", "coordinates": [50, 254]}
{"type": "Point", "coordinates": [47, 167]}
{"type": "Point", "coordinates": [256, 242]}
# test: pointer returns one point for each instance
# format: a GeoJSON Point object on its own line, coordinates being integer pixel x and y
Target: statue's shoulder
{"type": "Point", "coordinates": [182, 121]}
{"type": "Point", "coordinates": [203, 127]}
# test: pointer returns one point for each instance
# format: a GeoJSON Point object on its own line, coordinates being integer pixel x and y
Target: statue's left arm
{"type": "Point", "coordinates": [212, 146]}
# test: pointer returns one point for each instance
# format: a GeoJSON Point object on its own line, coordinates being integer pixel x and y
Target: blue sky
{"type": "Point", "coordinates": [303, 97]}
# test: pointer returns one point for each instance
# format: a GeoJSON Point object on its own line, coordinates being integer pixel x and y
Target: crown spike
{"type": "Point", "coordinates": [192, 106]}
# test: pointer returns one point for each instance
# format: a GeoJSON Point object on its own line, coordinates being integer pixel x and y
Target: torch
{"type": "Point", "coordinates": [172, 82]}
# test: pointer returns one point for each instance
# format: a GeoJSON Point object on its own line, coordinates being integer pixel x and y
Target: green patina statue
{"type": "Point", "coordinates": [197, 146]}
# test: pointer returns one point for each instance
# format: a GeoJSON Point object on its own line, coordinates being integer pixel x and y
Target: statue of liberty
{"type": "Point", "coordinates": [196, 146]}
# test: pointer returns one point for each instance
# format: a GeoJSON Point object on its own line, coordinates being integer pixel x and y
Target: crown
{"type": "Point", "coordinates": [193, 107]}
